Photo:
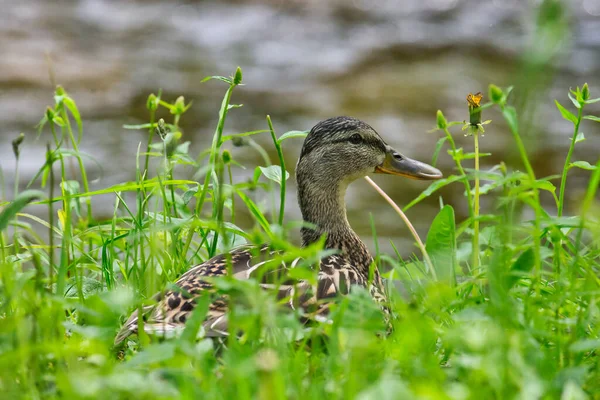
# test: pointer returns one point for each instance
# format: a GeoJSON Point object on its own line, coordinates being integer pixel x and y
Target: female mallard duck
{"type": "Point", "coordinates": [335, 153]}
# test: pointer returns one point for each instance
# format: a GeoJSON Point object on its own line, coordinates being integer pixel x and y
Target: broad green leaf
{"type": "Point", "coordinates": [291, 134]}
{"type": "Point", "coordinates": [17, 205]}
{"type": "Point", "coordinates": [583, 165]}
{"type": "Point", "coordinates": [545, 185]}
{"type": "Point", "coordinates": [441, 244]}
{"type": "Point", "coordinates": [153, 354]}
{"type": "Point", "coordinates": [592, 118]}
{"type": "Point", "coordinates": [274, 173]}
{"type": "Point", "coordinates": [585, 345]}
{"type": "Point", "coordinates": [566, 113]}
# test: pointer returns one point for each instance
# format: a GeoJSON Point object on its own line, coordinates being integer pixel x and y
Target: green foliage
{"type": "Point", "coordinates": [441, 244]}
{"type": "Point", "coordinates": [522, 322]}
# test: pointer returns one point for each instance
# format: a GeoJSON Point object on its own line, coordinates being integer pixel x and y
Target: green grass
{"type": "Point", "coordinates": [517, 318]}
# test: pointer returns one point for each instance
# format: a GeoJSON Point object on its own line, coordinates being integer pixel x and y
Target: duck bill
{"type": "Point", "coordinates": [396, 164]}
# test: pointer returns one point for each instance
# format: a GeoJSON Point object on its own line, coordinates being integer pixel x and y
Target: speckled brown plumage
{"type": "Point", "coordinates": [336, 152]}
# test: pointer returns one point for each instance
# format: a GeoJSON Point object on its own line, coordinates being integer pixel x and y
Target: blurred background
{"type": "Point", "coordinates": [392, 63]}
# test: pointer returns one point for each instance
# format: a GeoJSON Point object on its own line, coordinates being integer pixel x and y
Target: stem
{"type": "Point", "coordinates": [50, 217]}
{"type": "Point", "coordinates": [461, 170]}
{"type": "Point", "coordinates": [214, 150]}
{"type": "Point", "coordinates": [16, 192]}
{"type": "Point", "coordinates": [283, 171]}
{"type": "Point", "coordinates": [476, 205]}
{"type": "Point", "coordinates": [510, 116]}
{"type": "Point", "coordinates": [563, 180]}
{"type": "Point", "coordinates": [408, 224]}
{"type": "Point", "coordinates": [84, 178]}
{"type": "Point", "coordinates": [150, 135]}
{"type": "Point", "coordinates": [216, 144]}
{"type": "Point", "coordinates": [232, 193]}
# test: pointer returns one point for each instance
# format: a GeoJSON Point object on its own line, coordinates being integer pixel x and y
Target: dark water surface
{"type": "Point", "coordinates": [390, 63]}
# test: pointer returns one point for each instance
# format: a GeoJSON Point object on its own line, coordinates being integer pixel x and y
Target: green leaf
{"type": "Point", "coordinates": [520, 267]}
{"type": "Point", "coordinates": [225, 138]}
{"type": "Point", "coordinates": [592, 100]}
{"type": "Point", "coordinates": [438, 147]}
{"type": "Point", "coordinates": [510, 114]}
{"type": "Point", "coordinates": [574, 100]}
{"type": "Point", "coordinates": [217, 77]}
{"type": "Point", "coordinates": [291, 134]}
{"type": "Point", "coordinates": [545, 185]}
{"type": "Point", "coordinates": [274, 173]}
{"type": "Point", "coordinates": [441, 244]}
{"type": "Point", "coordinates": [592, 118]}
{"type": "Point", "coordinates": [566, 113]}
{"type": "Point", "coordinates": [153, 354]}
{"type": "Point", "coordinates": [585, 345]}
{"type": "Point", "coordinates": [255, 211]}
{"type": "Point", "coordinates": [139, 126]}
{"type": "Point", "coordinates": [432, 188]}
{"type": "Point", "coordinates": [459, 155]}
{"type": "Point", "coordinates": [583, 165]}
{"type": "Point", "coordinates": [193, 324]}
{"type": "Point", "coordinates": [72, 107]}
{"type": "Point", "coordinates": [128, 187]}
{"type": "Point", "coordinates": [580, 137]}
{"type": "Point", "coordinates": [17, 205]}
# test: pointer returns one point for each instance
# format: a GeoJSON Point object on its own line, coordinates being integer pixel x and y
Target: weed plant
{"type": "Point", "coordinates": [504, 306]}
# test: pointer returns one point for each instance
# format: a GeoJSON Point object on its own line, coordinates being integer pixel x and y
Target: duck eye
{"type": "Point", "coordinates": [356, 139]}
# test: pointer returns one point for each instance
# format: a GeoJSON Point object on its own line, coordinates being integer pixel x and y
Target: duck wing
{"type": "Point", "coordinates": [174, 307]}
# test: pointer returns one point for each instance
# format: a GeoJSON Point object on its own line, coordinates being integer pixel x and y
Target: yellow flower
{"type": "Point", "coordinates": [474, 100]}
{"type": "Point", "coordinates": [475, 124]}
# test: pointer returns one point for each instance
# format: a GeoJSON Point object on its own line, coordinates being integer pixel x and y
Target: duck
{"type": "Point", "coordinates": [336, 152]}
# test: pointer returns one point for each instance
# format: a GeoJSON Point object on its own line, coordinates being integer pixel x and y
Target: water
{"type": "Point", "coordinates": [390, 63]}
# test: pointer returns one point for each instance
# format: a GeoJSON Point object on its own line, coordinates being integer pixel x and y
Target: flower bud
{"type": "Point", "coordinates": [226, 157]}
{"type": "Point", "coordinates": [152, 102]}
{"type": "Point", "coordinates": [237, 78]}
{"type": "Point", "coordinates": [474, 101]}
{"type": "Point", "coordinates": [179, 107]}
{"type": "Point", "coordinates": [495, 93]}
{"type": "Point", "coordinates": [16, 143]}
{"type": "Point", "coordinates": [441, 120]}
{"type": "Point", "coordinates": [585, 92]}
{"type": "Point", "coordinates": [49, 114]}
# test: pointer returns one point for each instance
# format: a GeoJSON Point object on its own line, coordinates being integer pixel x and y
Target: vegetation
{"type": "Point", "coordinates": [516, 317]}
{"type": "Point", "coordinates": [504, 304]}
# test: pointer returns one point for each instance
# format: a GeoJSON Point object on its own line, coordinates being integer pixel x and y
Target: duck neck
{"type": "Point", "coordinates": [322, 204]}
